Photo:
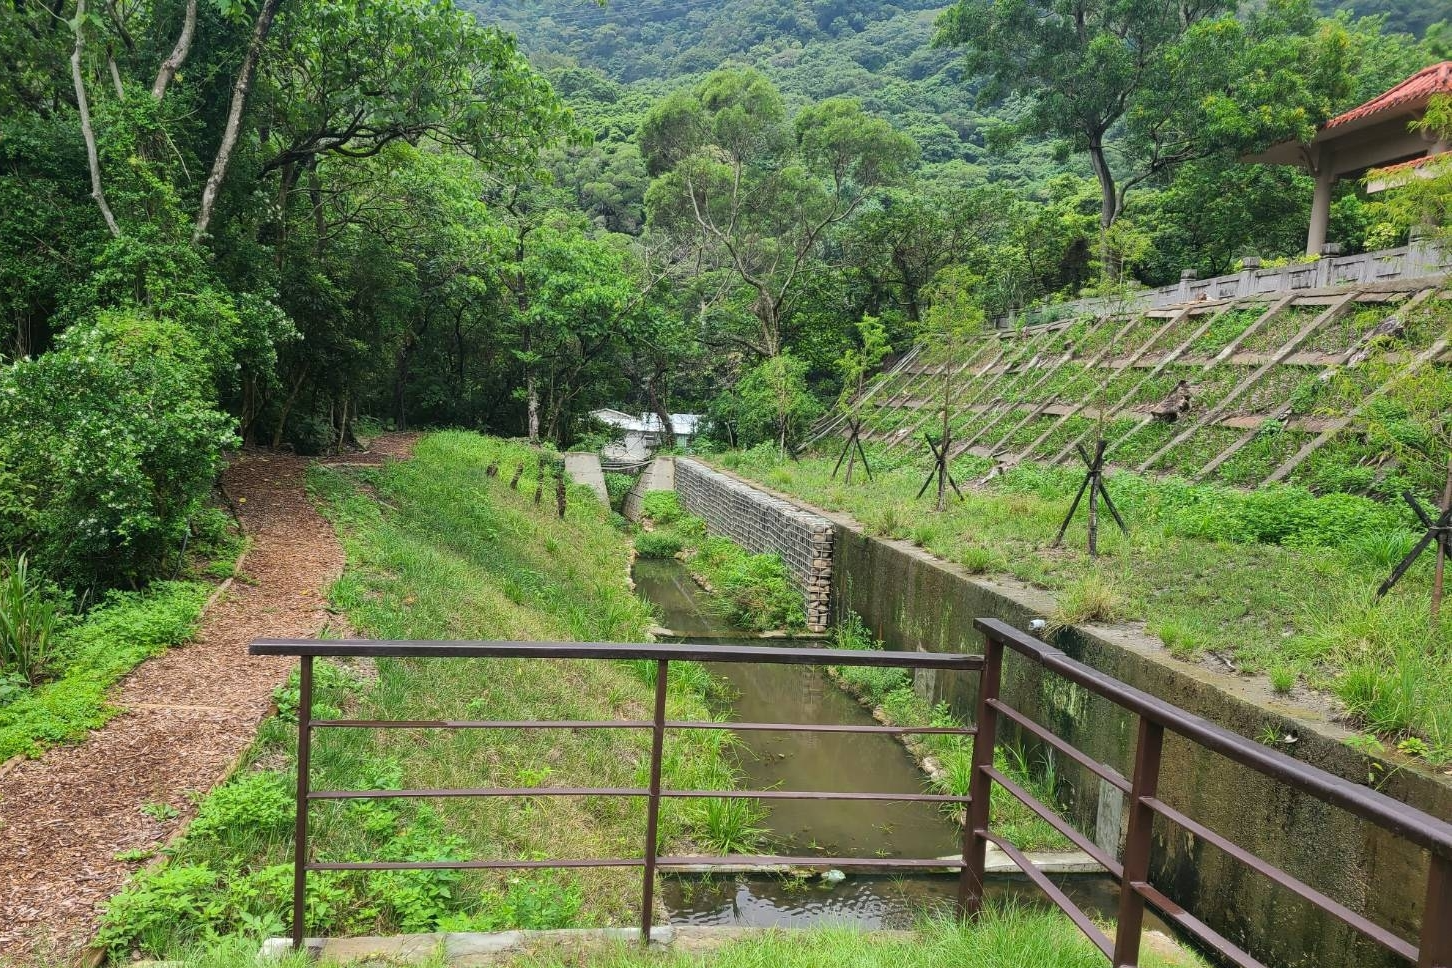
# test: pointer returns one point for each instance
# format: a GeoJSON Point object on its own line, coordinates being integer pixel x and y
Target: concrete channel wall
{"type": "Point", "coordinates": [660, 475]}
{"type": "Point", "coordinates": [585, 469]}
{"type": "Point", "coordinates": [912, 600]}
{"type": "Point", "coordinates": [762, 524]}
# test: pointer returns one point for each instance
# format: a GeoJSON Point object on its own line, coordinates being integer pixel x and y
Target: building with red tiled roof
{"type": "Point", "coordinates": [1376, 134]}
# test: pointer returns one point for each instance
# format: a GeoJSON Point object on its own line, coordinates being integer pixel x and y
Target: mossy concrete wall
{"type": "Point", "coordinates": [912, 600]}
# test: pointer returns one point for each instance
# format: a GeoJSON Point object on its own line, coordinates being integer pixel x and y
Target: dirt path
{"type": "Point", "coordinates": [190, 712]}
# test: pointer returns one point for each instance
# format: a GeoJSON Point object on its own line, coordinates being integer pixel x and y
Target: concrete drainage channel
{"type": "Point", "coordinates": [914, 601]}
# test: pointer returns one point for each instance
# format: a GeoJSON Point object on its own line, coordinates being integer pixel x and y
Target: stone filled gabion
{"type": "Point", "coordinates": [762, 524]}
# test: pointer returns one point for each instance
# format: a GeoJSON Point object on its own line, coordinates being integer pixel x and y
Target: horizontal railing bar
{"type": "Point", "coordinates": [1420, 828]}
{"type": "Point", "coordinates": [811, 795]}
{"type": "Point", "coordinates": [825, 728]}
{"type": "Point", "coordinates": [1042, 881]}
{"type": "Point", "coordinates": [470, 865]}
{"type": "Point", "coordinates": [690, 652]}
{"type": "Point", "coordinates": [745, 860]}
{"type": "Point", "coordinates": [1106, 773]}
{"type": "Point", "coordinates": [1058, 823]}
{"type": "Point", "coordinates": [1223, 946]}
{"type": "Point", "coordinates": [477, 724]}
{"type": "Point", "coordinates": [636, 724]}
{"type": "Point", "coordinates": [633, 792]}
{"type": "Point", "coordinates": [481, 792]}
{"type": "Point", "coordinates": [1279, 877]}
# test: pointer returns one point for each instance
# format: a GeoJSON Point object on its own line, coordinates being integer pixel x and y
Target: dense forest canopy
{"type": "Point", "coordinates": [227, 221]}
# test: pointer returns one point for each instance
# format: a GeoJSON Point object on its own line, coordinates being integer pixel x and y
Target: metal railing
{"type": "Point", "coordinates": [1135, 891]}
{"type": "Point", "coordinates": [1155, 716]}
{"type": "Point", "coordinates": [650, 861]}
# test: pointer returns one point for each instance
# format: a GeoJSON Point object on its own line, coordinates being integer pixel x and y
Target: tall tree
{"type": "Point", "coordinates": [757, 194]}
{"type": "Point", "coordinates": [1142, 86]}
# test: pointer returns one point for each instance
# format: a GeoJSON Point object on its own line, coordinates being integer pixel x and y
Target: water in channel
{"type": "Point", "coordinates": [818, 761]}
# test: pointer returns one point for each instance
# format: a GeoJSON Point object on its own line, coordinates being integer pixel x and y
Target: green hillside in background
{"type": "Point", "coordinates": [612, 61]}
{"type": "Point", "coordinates": [879, 52]}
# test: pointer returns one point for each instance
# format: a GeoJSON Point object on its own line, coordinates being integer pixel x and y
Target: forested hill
{"type": "Point", "coordinates": [880, 53]}
{"type": "Point", "coordinates": [612, 61]}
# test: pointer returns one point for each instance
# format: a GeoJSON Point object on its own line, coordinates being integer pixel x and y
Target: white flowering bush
{"type": "Point", "coordinates": [109, 443]}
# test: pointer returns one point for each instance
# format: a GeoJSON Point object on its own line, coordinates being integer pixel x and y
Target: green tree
{"type": "Point", "coordinates": [1142, 86]}
{"type": "Point", "coordinates": [774, 402]}
{"type": "Point", "coordinates": [754, 194]}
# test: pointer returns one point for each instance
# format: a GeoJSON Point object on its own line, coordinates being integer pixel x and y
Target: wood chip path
{"type": "Point", "coordinates": [190, 712]}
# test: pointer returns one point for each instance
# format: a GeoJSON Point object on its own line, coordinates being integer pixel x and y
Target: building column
{"type": "Point", "coordinates": [1321, 203]}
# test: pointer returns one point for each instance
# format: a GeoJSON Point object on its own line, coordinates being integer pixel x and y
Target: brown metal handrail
{"type": "Point", "coordinates": [1155, 717]}
{"type": "Point", "coordinates": [654, 793]}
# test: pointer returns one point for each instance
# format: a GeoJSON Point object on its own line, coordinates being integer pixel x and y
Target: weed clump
{"type": "Point", "coordinates": [1091, 598]}
{"type": "Point", "coordinates": [658, 544]}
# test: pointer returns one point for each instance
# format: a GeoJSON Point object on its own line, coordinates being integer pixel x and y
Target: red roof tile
{"type": "Point", "coordinates": [1416, 89]}
{"type": "Point", "coordinates": [1409, 165]}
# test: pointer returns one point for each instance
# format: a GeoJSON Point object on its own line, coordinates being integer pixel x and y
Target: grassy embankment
{"type": "Point", "coordinates": [1276, 582]}
{"type": "Point", "coordinates": [1004, 938]}
{"type": "Point", "coordinates": [89, 652]}
{"type": "Point", "coordinates": [438, 549]}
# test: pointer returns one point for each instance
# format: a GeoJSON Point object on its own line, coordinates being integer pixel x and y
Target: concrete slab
{"type": "Point", "coordinates": [584, 468]}
{"type": "Point", "coordinates": [659, 476]}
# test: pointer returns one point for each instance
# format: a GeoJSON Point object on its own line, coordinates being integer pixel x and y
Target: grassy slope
{"type": "Point", "coordinates": [1303, 614]}
{"type": "Point", "coordinates": [444, 551]}
{"type": "Point", "coordinates": [1005, 938]}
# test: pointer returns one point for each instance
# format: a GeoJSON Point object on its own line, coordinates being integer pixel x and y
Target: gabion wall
{"type": "Point", "coordinates": [761, 523]}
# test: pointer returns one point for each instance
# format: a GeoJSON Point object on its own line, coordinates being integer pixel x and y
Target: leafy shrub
{"type": "Point", "coordinates": [258, 802]}
{"type": "Point", "coordinates": [617, 486]}
{"type": "Point", "coordinates": [658, 544]}
{"type": "Point", "coordinates": [29, 617]}
{"type": "Point", "coordinates": [109, 443]}
{"type": "Point", "coordinates": [148, 912]}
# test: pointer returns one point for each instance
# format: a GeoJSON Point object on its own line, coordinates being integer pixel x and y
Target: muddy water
{"type": "Point", "coordinates": [818, 761]}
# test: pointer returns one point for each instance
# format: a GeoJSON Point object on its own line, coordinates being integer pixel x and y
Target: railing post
{"type": "Point", "coordinates": [1436, 942]}
{"type": "Point", "coordinates": [652, 809]}
{"type": "Point", "coordinates": [977, 816]}
{"type": "Point", "coordinates": [1137, 843]}
{"type": "Point", "coordinates": [300, 832]}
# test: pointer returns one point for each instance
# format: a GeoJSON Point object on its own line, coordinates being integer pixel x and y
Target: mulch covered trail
{"type": "Point", "coordinates": [190, 712]}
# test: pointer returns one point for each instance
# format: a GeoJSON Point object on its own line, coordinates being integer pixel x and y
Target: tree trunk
{"type": "Point", "coordinates": [1109, 200]}
{"type": "Point", "coordinates": [531, 392]}
{"type": "Point", "coordinates": [400, 387]}
{"type": "Point", "coordinates": [240, 90]}
{"type": "Point", "coordinates": [83, 108]}
{"type": "Point", "coordinates": [660, 409]}
{"type": "Point", "coordinates": [178, 55]}
{"type": "Point", "coordinates": [287, 408]}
